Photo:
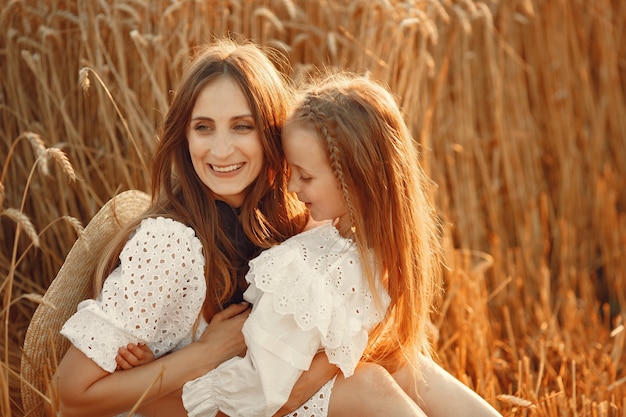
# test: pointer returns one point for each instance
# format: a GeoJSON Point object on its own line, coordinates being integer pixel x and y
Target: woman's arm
{"type": "Point", "coordinates": [86, 389]}
{"type": "Point", "coordinates": [307, 385]}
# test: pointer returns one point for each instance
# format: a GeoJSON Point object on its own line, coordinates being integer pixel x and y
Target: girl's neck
{"type": "Point", "coordinates": [344, 226]}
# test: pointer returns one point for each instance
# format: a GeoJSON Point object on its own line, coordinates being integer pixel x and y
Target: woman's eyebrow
{"type": "Point", "coordinates": [238, 117]}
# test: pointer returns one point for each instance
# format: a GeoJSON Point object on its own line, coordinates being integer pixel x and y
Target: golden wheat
{"type": "Point", "coordinates": [519, 110]}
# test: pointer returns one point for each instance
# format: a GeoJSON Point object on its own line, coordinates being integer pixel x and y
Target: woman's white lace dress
{"type": "Point", "coordinates": [308, 293]}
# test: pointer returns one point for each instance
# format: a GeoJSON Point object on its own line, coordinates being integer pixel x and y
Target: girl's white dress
{"type": "Point", "coordinates": [308, 294]}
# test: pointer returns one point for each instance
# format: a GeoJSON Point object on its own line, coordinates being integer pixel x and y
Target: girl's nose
{"type": "Point", "coordinates": [292, 184]}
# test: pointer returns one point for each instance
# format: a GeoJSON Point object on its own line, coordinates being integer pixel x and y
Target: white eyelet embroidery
{"type": "Point", "coordinates": [153, 297]}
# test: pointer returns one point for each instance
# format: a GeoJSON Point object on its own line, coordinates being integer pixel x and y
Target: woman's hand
{"type": "Point", "coordinates": [223, 335]}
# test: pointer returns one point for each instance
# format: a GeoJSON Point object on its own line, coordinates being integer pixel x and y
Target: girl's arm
{"type": "Point", "coordinates": [86, 389]}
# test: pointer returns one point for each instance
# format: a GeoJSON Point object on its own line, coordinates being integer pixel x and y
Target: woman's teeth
{"type": "Point", "coordinates": [228, 168]}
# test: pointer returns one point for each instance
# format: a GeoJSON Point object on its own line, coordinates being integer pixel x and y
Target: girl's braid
{"type": "Point", "coordinates": [323, 123]}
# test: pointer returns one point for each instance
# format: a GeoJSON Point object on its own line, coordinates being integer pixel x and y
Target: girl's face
{"type": "Point", "coordinates": [224, 142]}
{"type": "Point", "coordinates": [311, 176]}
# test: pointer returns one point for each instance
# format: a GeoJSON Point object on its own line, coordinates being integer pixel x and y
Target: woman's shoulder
{"type": "Point", "coordinates": [161, 225]}
{"type": "Point", "coordinates": [159, 234]}
{"type": "Point", "coordinates": [164, 223]}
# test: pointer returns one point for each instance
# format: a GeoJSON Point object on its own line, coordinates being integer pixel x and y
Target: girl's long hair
{"type": "Point", "coordinates": [269, 213]}
{"type": "Point", "coordinates": [375, 160]}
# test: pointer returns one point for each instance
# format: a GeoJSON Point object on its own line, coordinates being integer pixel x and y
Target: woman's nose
{"type": "Point", "coordinates": [222, 145]}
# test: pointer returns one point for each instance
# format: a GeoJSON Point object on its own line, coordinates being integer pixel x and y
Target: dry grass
{"type": "Point", "coordinates": [520, 108]}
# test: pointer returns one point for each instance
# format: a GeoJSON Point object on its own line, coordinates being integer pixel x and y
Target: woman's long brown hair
{"type": "Point", "coordinates": [269, 213]}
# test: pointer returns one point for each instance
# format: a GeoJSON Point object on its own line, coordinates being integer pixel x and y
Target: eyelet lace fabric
{"type": "Point", "coordinates": [154, 296]}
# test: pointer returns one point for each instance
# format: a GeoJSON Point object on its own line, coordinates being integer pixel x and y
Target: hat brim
{"type": "Point", "coordinates": [43, 344]}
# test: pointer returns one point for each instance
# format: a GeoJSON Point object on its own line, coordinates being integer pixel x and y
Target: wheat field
{"type": "Point", "coordinates": [519, 109]}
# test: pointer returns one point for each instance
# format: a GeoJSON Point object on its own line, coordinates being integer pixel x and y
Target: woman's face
{"type": "Point", "coordinates": [224, 142]}
{"type": "Point", "coordinates": [311, 176]}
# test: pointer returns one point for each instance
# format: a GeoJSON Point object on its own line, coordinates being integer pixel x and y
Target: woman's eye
{"type": "Point", "coordinates": [244, 128]}
{"type": "Point", "coordinates": [305, 179]}
{"type": "Point", "coordinates": [201, 128]}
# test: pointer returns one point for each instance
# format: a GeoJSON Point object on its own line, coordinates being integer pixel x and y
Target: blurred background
{"type": "Point", "coordinates": [518, 107]}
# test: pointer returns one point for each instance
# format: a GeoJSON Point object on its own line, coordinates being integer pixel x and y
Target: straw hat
{"type": "Point", "coordinates": [43, 345]}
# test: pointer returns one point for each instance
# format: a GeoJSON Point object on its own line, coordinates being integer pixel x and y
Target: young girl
{"type": "Point", "coordinates": [368, 271]}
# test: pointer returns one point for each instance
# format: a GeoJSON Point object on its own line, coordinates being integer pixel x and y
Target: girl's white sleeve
{"type": "Point", "coordinates": [154, 296]}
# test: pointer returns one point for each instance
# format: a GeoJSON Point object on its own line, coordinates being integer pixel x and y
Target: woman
{"type": "Point", "coordinates": [177, 267]}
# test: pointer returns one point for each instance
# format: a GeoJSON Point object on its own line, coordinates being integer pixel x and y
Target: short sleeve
{"type": "Point", "coordinates": [154, 296]}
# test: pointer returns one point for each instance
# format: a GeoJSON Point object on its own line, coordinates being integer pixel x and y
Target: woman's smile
{"type": "Point", "coordinates": [226, 169]}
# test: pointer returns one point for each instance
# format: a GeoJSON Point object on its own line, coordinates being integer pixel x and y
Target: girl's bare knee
{"type": "Point", "coordinates": [373, 377]}
{"type": "Point", "coordinates": [371, 391]}
{"type": "Point", "coordinates": [368, 385]}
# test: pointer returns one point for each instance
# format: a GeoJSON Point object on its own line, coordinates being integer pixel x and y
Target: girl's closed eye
{"type": "Point", "coordinates": [297, 173]}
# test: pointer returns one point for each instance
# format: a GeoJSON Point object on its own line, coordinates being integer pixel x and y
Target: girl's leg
{"type": "Point", "coordinates": [371, 391]}
{"type": "Point", "coordinates": [440, 394]}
